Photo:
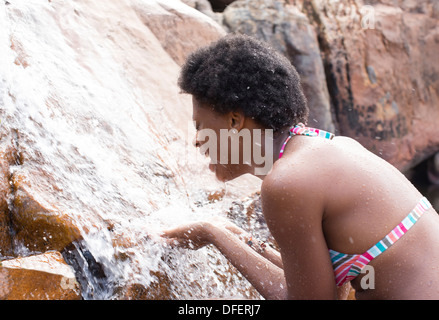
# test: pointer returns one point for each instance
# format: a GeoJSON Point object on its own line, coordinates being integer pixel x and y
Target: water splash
{"type": "Point", "coordinates": [96, 141]}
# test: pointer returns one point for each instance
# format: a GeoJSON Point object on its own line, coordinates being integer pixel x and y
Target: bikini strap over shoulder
{"type": "Point", "coordinates": [300, 129]}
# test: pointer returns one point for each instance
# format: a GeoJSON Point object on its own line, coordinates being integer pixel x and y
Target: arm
{"type": "Point", "coordinates": [264, 275]}
{"type": "Point", "coordinates": [231, 241]}
{"type": "Point", "coordinates": [267, 252]}
{"type": "Point", "coordinates": [294, 214]}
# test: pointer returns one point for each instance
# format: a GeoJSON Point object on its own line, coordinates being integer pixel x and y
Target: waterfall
{"type": "Point", "coordinates": [92, 115]}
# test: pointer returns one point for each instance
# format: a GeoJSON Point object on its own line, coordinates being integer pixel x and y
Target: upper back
{"type": "Point", "coordinates": [361, 195]}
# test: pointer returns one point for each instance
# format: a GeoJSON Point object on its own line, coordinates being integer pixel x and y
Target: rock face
{"type": "Point", "coordinates": [93, 138]}
{"type": "Point", "coordinates": [433, 169]}
{"type": "Point", "coordinates": [382, 81]}
{"type": "Point", "coordinates": [5, 191]}
{"type": "Point", "coordinates": [184, 38]}
{"type": "Point", "coordinates": [290, 32]}
{"type": "Point", "coordinates": [41, 277]}
{"type": "Point", "coordinates": [376, 59]}
{"type": "Point", "coordinates": [38, 225]}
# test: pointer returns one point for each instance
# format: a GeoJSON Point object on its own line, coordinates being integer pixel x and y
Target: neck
{"type": "Point", "coordinates": [276, 142]}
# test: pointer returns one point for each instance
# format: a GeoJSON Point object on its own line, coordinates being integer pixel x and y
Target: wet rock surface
{"type": "Point", "coordinates": [39, 277]}
{"type": "Point", "coordinates": [88, 100]}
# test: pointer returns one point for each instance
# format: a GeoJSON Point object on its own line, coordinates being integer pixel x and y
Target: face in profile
{"type": "Point", "coordinates": [256, 86]}
{"type": "Point", "coordinates": [208, 124]}
{"type": "Point", "coordinates": [232, 152]}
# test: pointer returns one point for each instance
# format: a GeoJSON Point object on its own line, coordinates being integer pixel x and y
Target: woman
{"type": "Point", "coordinates": [337, 212]}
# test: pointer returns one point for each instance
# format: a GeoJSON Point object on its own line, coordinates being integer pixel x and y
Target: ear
{"type": "Point", "coordinates": [236, 120]}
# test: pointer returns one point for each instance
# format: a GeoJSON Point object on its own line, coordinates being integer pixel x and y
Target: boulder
{"type": "Point", "coordinates": [6, 160]}
{"type": "Point", "coordinates": [380, 62]}
{"type": "Point", "coordinates": [40, 277]}
{"type": "Point", "coordinates": [290, 32]}
{"type": "Point", "coordinates": [205, 7]}
{"type": "Point", "coordinates": [89, 100]}
{"type": "Point", "coordinates": [37, 224]}
{"type": "Point", "coordinates": [368, 67]}
{"type": "Point", "coordinates": [185, 24]}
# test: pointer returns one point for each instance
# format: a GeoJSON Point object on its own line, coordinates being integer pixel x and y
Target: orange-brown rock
{"type": "Point", "coordinates": [6, 159]}
{"type": "Point", "coordinates": [379, 63]}
{"type": "Point", "coordinates": [37, 224]}
{"type": "Point", "coordinates": [185, 25]}
{"type": "Point", "coordinates": [160, 289]}
{"type": "Point", "coordinates": [291, 33]}
{"type": "Point", "coordinates": [41, 277]}
{"type": "Point", "coordinates": [382, 73]}
{"type": "Point", "coordinates": [90, 87]}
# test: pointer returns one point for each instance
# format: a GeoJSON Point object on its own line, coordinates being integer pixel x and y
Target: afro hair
{"type": "Point", "coordinates": [239, 72]}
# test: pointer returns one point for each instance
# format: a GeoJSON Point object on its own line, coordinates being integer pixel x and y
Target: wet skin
{"type": "Point", "coordinates": [326, 194]}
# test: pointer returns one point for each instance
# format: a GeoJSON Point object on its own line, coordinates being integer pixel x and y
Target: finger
{"type": "Point", "coordinates": [174, 243]}
{"type": "Point", "coordinates": [171, 233]}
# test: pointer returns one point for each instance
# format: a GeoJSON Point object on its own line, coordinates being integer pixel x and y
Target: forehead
{"type": "Point", "coordinates": [203, 115]}
{"type": "Point", "coordinates": [196, 108]}
{"type": "Point", "coordinates": [201, 111]}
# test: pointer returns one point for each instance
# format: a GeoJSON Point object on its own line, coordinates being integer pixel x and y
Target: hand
{"type": "Point", "coordinates": [193, 236]}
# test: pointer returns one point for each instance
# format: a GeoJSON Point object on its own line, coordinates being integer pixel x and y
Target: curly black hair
{"type": "Point", "coordinates": [239, 72]}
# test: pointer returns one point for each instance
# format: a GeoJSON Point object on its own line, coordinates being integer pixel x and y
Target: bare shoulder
{"type": "Point", "coordinates": [286, 177]}
{"type": "Point", "coordinates": [307, 174]}
{"type": "Point", "coordinates": [294, 210]}
{"type": "Point", "coordinates": [311, 158]}
{"type": "Point", "coordinates": [289, 188]}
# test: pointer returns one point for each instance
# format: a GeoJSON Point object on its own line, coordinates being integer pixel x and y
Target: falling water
{"type": "Point", "coordinates": [99, 127]}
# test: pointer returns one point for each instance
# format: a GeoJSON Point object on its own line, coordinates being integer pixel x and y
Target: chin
{"type": "Point", "coordinates": [223, 173]}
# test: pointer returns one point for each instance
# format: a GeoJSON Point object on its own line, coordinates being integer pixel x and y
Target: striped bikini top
{"type": "Point", "coordinates": [300, 129]}
{"type": "Point", "coordinates": [348, 266]}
